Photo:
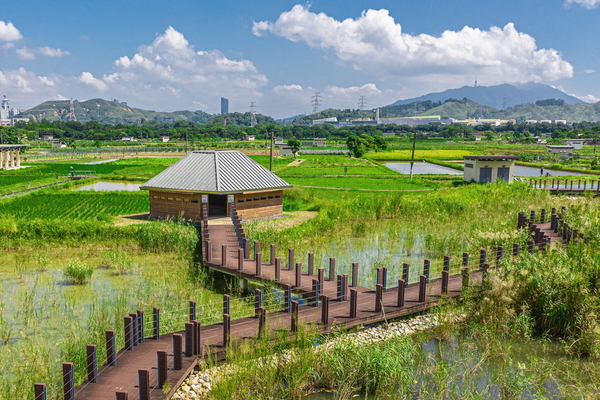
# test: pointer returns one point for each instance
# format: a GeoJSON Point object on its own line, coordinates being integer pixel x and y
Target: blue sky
{"type": "Point", "coordinates": [187, 54]}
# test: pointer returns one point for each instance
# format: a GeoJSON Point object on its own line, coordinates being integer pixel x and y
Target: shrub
{"type": "Point", "coordinates": [116, 259]}
{"type": "Point", "coordinates": [77, 272]}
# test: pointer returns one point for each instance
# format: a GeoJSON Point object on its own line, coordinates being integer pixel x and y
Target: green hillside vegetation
{"type": "Point", "coordinates": [241, 119]}
{"type": "Point", "coordinates": [543, 110]}
{"type": "Point", "coordinates": [108, 112]}
{"type": "Point", "coordinates": [460, 109]}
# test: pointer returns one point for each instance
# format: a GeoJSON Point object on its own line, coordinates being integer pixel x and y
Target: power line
{"type": "Point", "coordinates": [316, 102]}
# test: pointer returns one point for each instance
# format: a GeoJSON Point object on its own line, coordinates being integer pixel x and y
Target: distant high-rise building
{"type": "Point", "coordinates": [224, 105]}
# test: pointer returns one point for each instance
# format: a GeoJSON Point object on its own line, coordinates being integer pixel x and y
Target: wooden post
{"type": "Point", "coordinates": [311, 264]}
{"type": "Point", "coordinates": [325, 310]}
{"type": "Point", "coordinates": [122, 395]}
{"type": "Point", "coordinates": [378, 297]}
{"type": "Point", "coordinates": [258, 266]}
{"type": "Point", "coordinates": [128, 333]}
{"type": "Point", "coordinates": [262, 321]}
{"type": "Point", "coordinates": [162, 368]}
{"type": "Point", "coordinates": [340, 288]}
{"type": "Point", "coordinates": [290, 259]}
{"type": "Point", "coordinates": [256, 248]}
{"type": "Point", "coordinates": [422, 288]}
{"type": "Point", "coordinates": [39, 391]}
{"type": "Point", "coordinates": [189, 339]}
{"type": "Point", "coordinates": [141, 330]}
{"type": "Point", "coordinates": [384, 278]}
{"type": "Point", "coordinates": [277, 269]}
{"type": "Point", "coordinates": [401, 292]}
{"type": "Point", "coordinates": [298, 274]}
{"type": "Point", "coordinates": [426, 268]}
{"type": "Point", "coordinates": [192, 310]}
{"type": "Point", "coordinates": [345, 283]}
{"type": "Point", "coordinates": [226, 329]}
{"type": "Point", "coordinates": [156, 322]}
{"type": "Point", "coordinates": [354, 275]}
{"type": "Point", "coordinates": [321, 277]}
{"type": "Point", "coordinates": [294, 322]}
{"type": "Point", "coordinates": [445, 278]}
{"type": "Point", "coordinates": [316, 291]}
{"type": "Point", "coordinates": [111, 349]}
{"type": "Point", "coordinates": [223, 255]}
{"type": "Point", "coordinates": [208, 245]}
{"type": "Point", "coordinates": [226, 304]}
{"type": "Point", "coordinates": [68, 381]}
{"type": "Point", "coordinates": [353, 302]}
{"type": "Point", "coordinates": [465, 259]}
{"type": "Point", "coordinates": [273, 254]}
{"type": "Point", "coordinates": [246, 243]}
{"type": "Point", "coordinates": [258, 298]}
{"type": "Point", "coordinates": [446, 263]}
{"type": "Point", "coordinates": [144, 384]}
{"type": "Point", "coordinates": [134, 330]}
{"type": "Point", "coordinates": [515, 251]}
{"type": "Point", "coordinates": [543, 216]}
{"type": "Point", "coordinates": [177, 351]}
{"type": "Point", "coordinates": [405, 271]}
{"type": "Point", "coordinates": [240, 259]}
{"type": "Point", "coordinates": [531, 246]}
{"type": "Point", "coordinates": [331, 269]}
{"type": "Point", "coordinates": [92, 363]}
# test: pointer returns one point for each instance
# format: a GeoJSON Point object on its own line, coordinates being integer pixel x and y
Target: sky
{"type": "Point", "coordinates": [187, 54]}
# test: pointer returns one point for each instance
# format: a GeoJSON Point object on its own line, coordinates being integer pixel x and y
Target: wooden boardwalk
{"type": "Point", "coordinates": [124, 376]}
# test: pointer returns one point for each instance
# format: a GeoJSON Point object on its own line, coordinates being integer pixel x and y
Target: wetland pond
{"type": "Point", "coordinates": [421, 168]}
{"type": "Point", "coordinates": [464, 368]}
{"type": "Point", "coordinates": [110, 186]}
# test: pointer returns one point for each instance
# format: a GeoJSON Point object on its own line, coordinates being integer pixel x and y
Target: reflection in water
{"type": "Point", "coordinates": [108, 186]}
{"type": "Point", "coordinates": [422, 168]}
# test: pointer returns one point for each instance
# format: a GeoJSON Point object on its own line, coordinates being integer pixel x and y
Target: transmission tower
{"type": "Point", "coordinates": [72, 116]}
{"type": "Point", "coordinates": [362, 101]}
{"type": "Point", "coordinates": [252, 113]}
{"type": "Point", "coordinates": [316, 102]}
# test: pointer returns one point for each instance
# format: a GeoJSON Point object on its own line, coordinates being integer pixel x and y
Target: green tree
{"type": "Point", "coordinates": [488, 135]}
{"type": "Point", "coordinates": [357, 146]}
{"type": "Point", "coordinates": [380, 143]}
{"type": "Point", "coordinates": [294, 145]}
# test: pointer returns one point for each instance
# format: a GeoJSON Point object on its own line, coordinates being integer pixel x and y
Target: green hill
{"type": "Point", "coordinates": [108, 112]}
{"type": "Point", "coordinates": [461, 109]}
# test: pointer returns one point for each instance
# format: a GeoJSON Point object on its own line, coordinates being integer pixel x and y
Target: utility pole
{"type": "Point", "coordinates": [271, 155]}
{"type": "Point", "coordinates": [412, 158]}
{"type": "Point", "coordinates": [252, 114]}
{"type": "Point", "coordinates": [316, 102]}
{"type": "Point", "coordinates": [186, 140]}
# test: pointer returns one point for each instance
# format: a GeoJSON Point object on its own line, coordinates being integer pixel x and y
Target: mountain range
{"type": "Point", "coordinates": [499, 96]}
{"type": "Point", "coordinates": [110, 112]}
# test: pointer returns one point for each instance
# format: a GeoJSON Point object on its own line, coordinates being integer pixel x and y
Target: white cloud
{"type": "Point", "coordinates": [7, 46]}
{"type": "Point", "coordinates": [8, 32]}
{"type": "Point", "coordinates": [50, 52]}
{"type": "Point", "coordinates": [25, 54]}
{"type": "Point", "coordinates": [588, 98]}
{"type": "Point", "coordinates": [589, 4]}
{"type": "Point", "coordinates": [589, 71]}
{"type": "Point", "coordinates": [374, 43]}
{"type": "Point", "coordinates": [171, 70]}
{"type": "Point", "coordinates": [88, 79]}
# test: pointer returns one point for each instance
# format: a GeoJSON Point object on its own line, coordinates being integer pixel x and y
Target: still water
{"type": "Point", "coordinates": [100, 162]}
{"type": "Point", "coordinates": [421, 168]}
{"type": "Point", "coordinates": [111, 186]}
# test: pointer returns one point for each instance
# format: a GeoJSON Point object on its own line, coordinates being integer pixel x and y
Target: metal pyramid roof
{"type": "Point", "coordinates": [215, 171]}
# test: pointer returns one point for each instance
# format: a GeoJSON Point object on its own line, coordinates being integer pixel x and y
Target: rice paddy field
{"type": "Point", "coordinates": [48, 235]}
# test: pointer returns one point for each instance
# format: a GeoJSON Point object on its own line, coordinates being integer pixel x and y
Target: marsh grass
{"type": "Point", "coordinates": [78, 272]}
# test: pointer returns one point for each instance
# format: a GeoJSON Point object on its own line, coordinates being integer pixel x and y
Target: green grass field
{"type": "Point", "coordinates": [371, 183]}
